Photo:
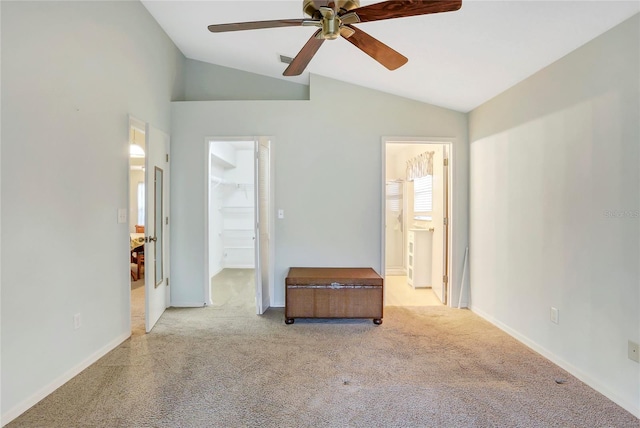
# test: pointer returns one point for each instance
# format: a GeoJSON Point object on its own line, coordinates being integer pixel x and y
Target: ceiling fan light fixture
{"type": "Point", "coordinates": [135, 151]}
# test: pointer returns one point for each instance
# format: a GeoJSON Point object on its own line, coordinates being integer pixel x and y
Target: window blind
{"type": "Point", "coordinates": [394, 196]}
{"type": "Point", "coordinates": [423, 194]}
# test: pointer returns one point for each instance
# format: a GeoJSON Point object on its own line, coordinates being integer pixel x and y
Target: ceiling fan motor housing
{"type": "Point", "coordinates": [347, 4]}
{"type": "Point", "coordinates": [310, 8]}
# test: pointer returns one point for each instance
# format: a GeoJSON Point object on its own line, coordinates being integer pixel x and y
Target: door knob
{"type": "Point", "coordinates": [150, 239]}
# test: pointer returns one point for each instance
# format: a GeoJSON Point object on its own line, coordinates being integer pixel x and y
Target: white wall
{"type": "Point", "coordinates": [205, 82]}
{"type": "Point", "coordinates": [551, 159]}
{"type": "Point", "coordinates": [328, 175]}
{"type": "Point", "coordinates": [71, 74]}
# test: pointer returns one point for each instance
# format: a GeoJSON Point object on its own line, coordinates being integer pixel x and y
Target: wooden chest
{"type": "Point", "coordinates": [333, 293]}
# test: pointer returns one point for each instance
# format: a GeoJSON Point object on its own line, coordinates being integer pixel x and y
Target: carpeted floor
{"type": "Point", "coordinates": [137, 307]}
{"type": "Point", "coordinates": [423, 367]}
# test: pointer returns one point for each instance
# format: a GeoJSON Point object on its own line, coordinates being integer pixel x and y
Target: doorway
{"type": "Point", "coordinates": [239, 248]}
{"type": "Point", "coordinates": [149, 200]}
{"type": "Point", "coordinates": [416, 232]}
{"type": "Point", "coordinates": [137, 205]}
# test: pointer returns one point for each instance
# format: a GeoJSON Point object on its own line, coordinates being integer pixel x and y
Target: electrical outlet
{"type": "Point", "coordinates": [555, 315]}
{"type": "Point", "coordinates": [77, 321]}
{"type": "Point", "coordinates": [634, 351]}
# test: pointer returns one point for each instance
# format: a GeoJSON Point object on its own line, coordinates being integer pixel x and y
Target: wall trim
{"type": "Point", "coordinates": [188, 304]}
{"type": "Point", "coordinates": [43, 392]}
{"type": "Point", "coordinates": [632, 408]}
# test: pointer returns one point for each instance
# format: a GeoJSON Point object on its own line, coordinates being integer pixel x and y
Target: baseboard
{"type": "Point", "coordinates": [395, 272]}
{"type": "Point", "coordinates": [214, 273]}
{"type": "Point", "coordinates": [20, 408]}
{"type": "Point", "coordinates": [187, 304]}
{"type": "Point", "coordinates": [631, 407]}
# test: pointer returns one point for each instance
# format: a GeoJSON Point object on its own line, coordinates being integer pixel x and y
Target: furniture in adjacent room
{"type": "Point", "coordinates": [137, 254]}
{"type": "Point", "coordinates": [333, 293]}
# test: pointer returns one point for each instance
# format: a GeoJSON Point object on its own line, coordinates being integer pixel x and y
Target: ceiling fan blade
{"type": "Point", "coordinates": [376, 49]}
{"type": "Point", "coordinates": [255, 25]}
{"type": "Point", "coordinates": [400, 9]}
{"type": "Point", "coordinates": [303, 58]}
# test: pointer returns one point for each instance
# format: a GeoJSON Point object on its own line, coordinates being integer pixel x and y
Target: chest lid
{"type": "Point", "coordinates": [342, 276]}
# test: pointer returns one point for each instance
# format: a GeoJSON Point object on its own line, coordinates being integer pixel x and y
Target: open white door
{"type": "Point", "coordinates": [438, 213]}
{"type": "Point", "coordinates": [263, 222]}
{"type": "Point", "coordinates": [445, 222]}
{"type": "Point", "coordinates": [156, 248]}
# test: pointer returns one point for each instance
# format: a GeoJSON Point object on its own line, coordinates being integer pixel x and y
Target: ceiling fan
{"type": "Point", "coordinates": [337, 18]}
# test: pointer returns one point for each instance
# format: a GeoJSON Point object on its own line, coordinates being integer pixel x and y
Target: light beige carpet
{"type": "Point", "coordinates": [423, 367]}
{"type": "Point", "coordinates": [137, 307]}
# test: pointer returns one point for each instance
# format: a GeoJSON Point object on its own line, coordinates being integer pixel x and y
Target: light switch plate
{"type": "Point", "coordinates": [280, 213]}
{"type": "Point", "coordinates": [555, 315]}
{"type": "Point", "coordinates": [122, 215]}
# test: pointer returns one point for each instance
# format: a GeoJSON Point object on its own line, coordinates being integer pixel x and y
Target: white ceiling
{"type": "Point", "coordinates": [457, 60]}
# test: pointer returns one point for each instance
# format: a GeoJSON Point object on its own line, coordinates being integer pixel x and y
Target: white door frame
{"type": "Point", "coordinates": [141, 126]}
{"type": "Point", "coordinates": [449, 144]}
{"type": "Point", "coordinates": [207, 196]}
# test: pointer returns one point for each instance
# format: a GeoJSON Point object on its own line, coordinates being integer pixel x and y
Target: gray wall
{"type": "Point", "coordinates": [205, 82]}
{"type": "Point", "coordinates": [555, 197]}
{"type": "Point", "coordinates": [328, 175]}
{"type": "Point", "coordinates": [71, 74]}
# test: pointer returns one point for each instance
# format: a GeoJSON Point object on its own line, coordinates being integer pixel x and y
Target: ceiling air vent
{"type": "Point", "coordinates": [285, 59]}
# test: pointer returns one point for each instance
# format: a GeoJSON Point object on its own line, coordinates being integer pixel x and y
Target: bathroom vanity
{"type": "Point", "coordinates": [420, 242]}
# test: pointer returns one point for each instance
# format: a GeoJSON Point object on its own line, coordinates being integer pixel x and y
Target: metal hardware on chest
{"type": "Point", "coordinates": [333, 286]}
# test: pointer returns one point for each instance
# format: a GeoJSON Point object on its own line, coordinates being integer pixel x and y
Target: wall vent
{"type": "Point", "coordinates": [285, 59]}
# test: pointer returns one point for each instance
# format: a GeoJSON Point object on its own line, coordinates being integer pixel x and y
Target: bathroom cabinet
{"type": "Point", "coordinates": [419, 258]}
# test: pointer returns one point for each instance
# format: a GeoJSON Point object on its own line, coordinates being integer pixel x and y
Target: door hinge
{"type": "Point", "coordinates": [445, 279]}
{"type": "Point", "coordinates": [167, 155]}
{"type": "Point", "coordinates": [446, 161]}
{"type": "Point", "coordinates": [166, 221]}
{"type": "Point", "coordinates": [446, 221]}
{"type": "Point", "coordinates": [167, 281]}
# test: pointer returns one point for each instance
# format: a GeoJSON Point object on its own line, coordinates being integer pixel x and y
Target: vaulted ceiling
{"type": "Point", "coordinates": [457, 60]}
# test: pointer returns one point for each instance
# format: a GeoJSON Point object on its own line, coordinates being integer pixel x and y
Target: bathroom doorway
{"type": "Point", "coordinates": [416, 222]}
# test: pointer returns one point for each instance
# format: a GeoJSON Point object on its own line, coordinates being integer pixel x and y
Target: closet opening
{"type": "Point", "coordinates": [240, 228]}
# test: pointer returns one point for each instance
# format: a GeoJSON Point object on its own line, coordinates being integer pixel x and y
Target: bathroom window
{"type": "Point", "coordinates": [141, 202]}
{"type": "Point", "coordinates": [423, 197]}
